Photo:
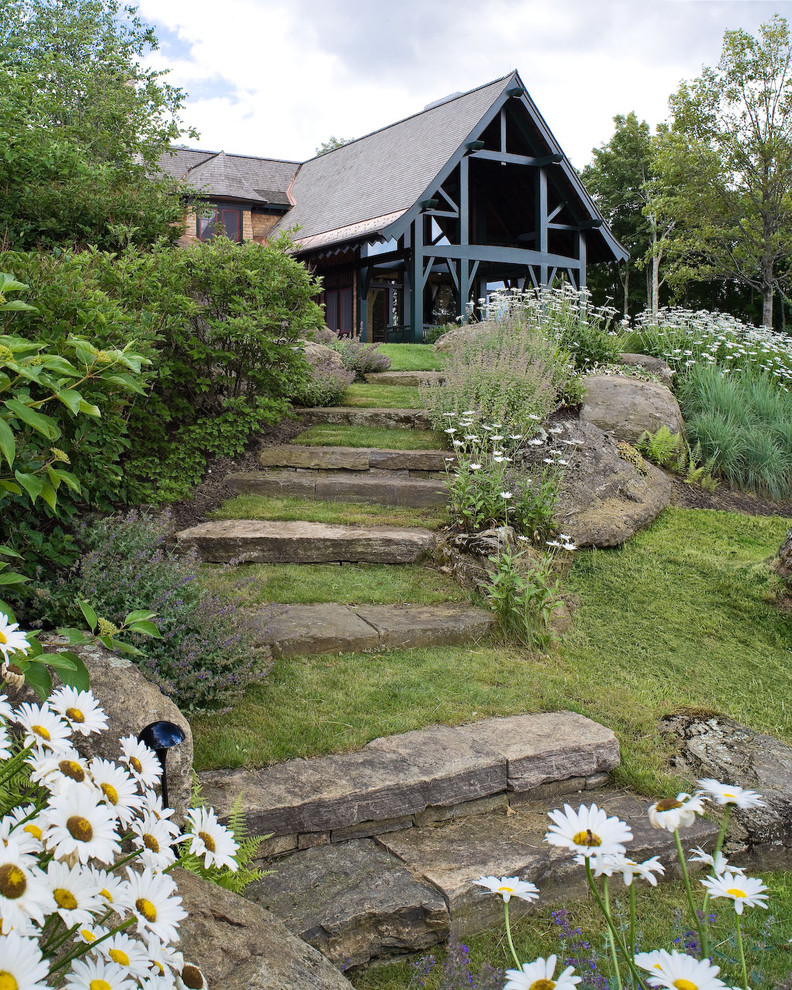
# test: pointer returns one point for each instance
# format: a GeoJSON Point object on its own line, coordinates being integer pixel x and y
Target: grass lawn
{"type": "Point", "coordinates": [412, 357]}
{"type": "Point", "coordinates": [680, 616]}
{"type": "Point", "coordinates": [382, 396]}
{"type": "Point", "coordinates": [348, 584]}
{"type": "Point", "coordinates": [333, 513]}
{"type": "Point", "coordinates": [765, 935]}
{"type": "Point", "coordinates": [328, 435]}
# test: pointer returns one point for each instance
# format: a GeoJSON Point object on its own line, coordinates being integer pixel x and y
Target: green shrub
{"type": "Point", "coordinates": [326, 386]}
{"type": "Point", "coordinates": [662, 447]}
{"type": "Point", "coordinates": [523, 596]}
{"type": "Point", "coordinates": [207, 654]}
{"type": "Point", "coordinates": [362, 359]}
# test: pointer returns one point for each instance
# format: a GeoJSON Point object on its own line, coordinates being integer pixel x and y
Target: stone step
{"type": "Point", "coordinates": [309, 629]}
{"type": "Point", "coordinates": [408, 419]}
{"type": "Point", "coordinates": [414, 493]}
{"type": "Point", "coordinates": [268, 542]}
{"type": "Point", "coordinates": [414, 778]}
{"type": "Point", "coordinates": [356, 459]}
{"type": "Point", "coordinates": [410, 378]}
{"type": "Point", "coordinates": [403, 891]}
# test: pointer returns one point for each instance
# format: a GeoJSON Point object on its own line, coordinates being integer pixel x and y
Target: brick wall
{"type": "Point", "coordinates": [262, 225]}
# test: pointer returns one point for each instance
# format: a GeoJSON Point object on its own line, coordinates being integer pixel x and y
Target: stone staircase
{"type": "Point", "coordinates": [374, 852]}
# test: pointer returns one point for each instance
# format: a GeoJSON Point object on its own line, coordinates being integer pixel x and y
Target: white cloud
{"type": "Point", "coordinates": [279, 77]}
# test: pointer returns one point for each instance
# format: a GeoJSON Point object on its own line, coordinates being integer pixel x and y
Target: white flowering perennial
{"type": "Point", "coordinates": [598, 842]}
{"type": "Point", "coordinates": [61, 879]}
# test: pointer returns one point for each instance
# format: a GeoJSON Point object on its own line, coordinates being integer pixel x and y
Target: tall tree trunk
{"type": "Point", "coordinates": [655, 283]}
{"type": "Point", "coordinates": [627, 290]}
{"type": "Point", "coordinates": [767, 305]}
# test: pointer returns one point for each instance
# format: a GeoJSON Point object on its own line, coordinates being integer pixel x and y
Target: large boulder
{"type": "Point", "coordinates": [718, 747]}
{"type": "Point", "coordinates": [131, 704]}
{"type": "Point", "coordinates": [239, 945]}
{"type": "Point", "coordinates": [626, 407]}
{"type": "Point", "coordinates": [655, 366]}
{"type": "Point", "coordinates": [456, 337]}
{"type": "Point", "coordinates": [605, 498]}
{"type": "Point", "coordinates": [320, 356]}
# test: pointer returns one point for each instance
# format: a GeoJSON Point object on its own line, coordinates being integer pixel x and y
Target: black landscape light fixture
{"type": "Point", "coordinates": [162, 736]}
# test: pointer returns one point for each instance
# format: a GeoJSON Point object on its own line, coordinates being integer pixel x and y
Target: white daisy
{"type": "Point", "coordinates": [24, 893]}
{"type": "Point", "coordinates": [142, 761]}
{"type": "Point", "coordinates": [21, 964]}
{"type": "Point", "coordinates": [509, 887]}
{"type": "Point", "coordinates": [731, 794]}
{"type": "Point", "coordinates": [210, 839]}
{"type": "Point", "coordinates": [43, 728]}
{"type": "Point", "coordinates": [588, 831]}
{"type": "Point", "coordinates": [475, 467]}
{"type": "Point", "coordinates": [129, 953]}
{"type": "Point", "coordinates": [74, 892]}
{"type": "Point", "coordinates": [59, 771]}
{"type": "Point", "coordinates": [152, 902]}
{"type": "Point", "coordinates": [164, 960]}
{"type": "Point", "coordinates": [97, 974]}
{"type": "Point", "coordinates": [111, 889]}
{"type": "Point", "coordinates": [192, 977]}
{"type": "Point", "coordinates": [673, 813]}
{"type": "Point", "coordinates": [719, 863]}
{"type": "Point", "coordinates": [22, 826]}
{"type": "Point", "coordinates": [154, 838]}
{"type": "Point", "coordinates": [5, 742]}
{"type": "Point", "coordinates": [540, 972]}
{"type": "Point", "coordinates": [506, 496]}
{"type": "Point", "coordinates": [77, 823]}
{"type": "Point", "coordinates": [6, 709]}
{"type": "Point", "coordinates": [12, 640]}
{"type": "Point", "coordinates": [654, 961]}
{"type": "Point", "coordinates": [119, 790]}
{"type": "Point", "coordinates": [80, 709]}
{"type": "Point", "coordinates": [743, 891]}
{"type": "Point", "coordinates": [686, 972]}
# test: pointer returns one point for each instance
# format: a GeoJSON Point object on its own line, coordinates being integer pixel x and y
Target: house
{"type": "Point", "coordinates": [410, 225]}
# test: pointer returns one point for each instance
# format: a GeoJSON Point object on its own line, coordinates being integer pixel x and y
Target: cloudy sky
{"type": "Point", "coordinates": [278, 77]}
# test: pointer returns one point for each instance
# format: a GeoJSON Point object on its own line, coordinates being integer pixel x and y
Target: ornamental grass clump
{"type": "Point", "coordinates": [86, 899]}
{"type": "Point", "coordinates": [598, 842]}
{"type": "Point", "coordinates": [207, 653]}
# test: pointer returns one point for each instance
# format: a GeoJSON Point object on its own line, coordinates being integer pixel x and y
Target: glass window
{"type": "Point", "coordinates": [227, 219]}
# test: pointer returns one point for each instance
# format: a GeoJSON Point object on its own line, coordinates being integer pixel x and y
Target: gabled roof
{"type": "Point", "coordinates": [262, 179]}
{"type": "Point", "coordinates": [383, 173]}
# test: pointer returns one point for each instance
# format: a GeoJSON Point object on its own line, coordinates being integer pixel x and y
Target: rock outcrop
{"type": "Point", "coordinates": [625, 407]}
{"type": "Point", "coordinates": [720, 748]}
{"type": "Point", "coordinates": [655, 366]}
{"type": "Point", "coordinates": [604, 498]}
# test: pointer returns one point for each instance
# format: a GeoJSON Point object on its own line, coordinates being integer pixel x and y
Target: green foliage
{"type": "Point", "coordinates": [412, 357]}
{"type": "Point", "coordinates": [331, 144]}
{"type": "Point", "coordinates": [83, 124]}
{"type": "Point", "coordinates": [362, 359]}
{"type": "Point", "coordinates": [662, 447]}
{"type": "Point", "coordinates": [206, 652]}
{"type": "Point", "coordinates": [325, 387]}
{"type": "Point", "coordinates": [523, 594]}
{"type": "Point", "coordinates": [725, 170]}
{"type": "Point", "coordinates": [671, 451]}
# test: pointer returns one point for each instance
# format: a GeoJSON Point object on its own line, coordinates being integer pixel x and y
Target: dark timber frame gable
{"type": "Point", "coordinates": [507, 207]}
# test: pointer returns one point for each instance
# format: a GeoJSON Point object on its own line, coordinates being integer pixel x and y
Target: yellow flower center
{"type": "Point", "coordinates": [99, 985]}
{"type": "Point", "coordinates": [542, 985]}
{"type": "Point", "coordinates": [668, 804]}
{"type": "Point", "coordinates": [75, 715]}
{"type": "Point", "coordinates": [729, 795]}
{"type": "Point", "coordinates": [150, 842]}
{"type": "Point", "coordinates": [146, 908]}
{"type": "Point", "coordinates": [72, 769]}
{"type": "Point", "coordinates": [104, 892]}
{"type": "Point", "coordinates": [119, 956]}
{"type": "Point", "coordinates": [736, 892]}
{"type": "Point", "coordinates": [501, 890]}
{"type": "Point", "coordinates": [192, 977]}
{"type": "Point", "coordinates": [79, 828]}
{"type": "Point", "coordinates": [64, 899]}
{"type": "Point", "coordinates": [87, 935]}
{"type": "Point", "coordinates": [3, 640]}
{"type": "Point", "coordinates": [7, 981]}
{"type": "Point", "coordinates": [110, 793]}
{"type": "Point", "coordinates": [587, 838]}
{"type": "Point", "coordinates": [13, 882]}
{"type": "Point", "coordinates": [136, 765]}
{"type": "Point", "coordinates": [685, 985]}
{"type": "Point", "coordinates": [41, 731]}
{"type": "Point", "coordinates": [211, 845]}
{"type": "Point", "coordinates": [34, 830]}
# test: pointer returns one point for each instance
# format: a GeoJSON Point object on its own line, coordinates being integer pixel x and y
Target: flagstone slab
{"type": "Point", "coordinates": [409, 626]}
{"type": "Point", "coordinates": [354, 458]}
{"type": "Point", "coordinates": [325, 628]}
{"type": "Point", "coordinates": [353, 902]}
{"type": "Point", "coordinates": [411, 379]}
{"type": "Point", "coordinates": [268, 542]}
{"type": "Point", "coordinates": [415, 419]}
{"type": "Point", "coordinates": [407, 492]}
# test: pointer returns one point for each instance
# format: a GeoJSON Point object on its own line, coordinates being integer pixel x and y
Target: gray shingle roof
{"type": "Point", "coordinates": [265, 178]}
{"type": "Point", "coordinates": [384, 173]}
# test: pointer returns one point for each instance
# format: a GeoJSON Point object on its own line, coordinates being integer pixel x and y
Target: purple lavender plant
{"type": "Point", "coordinates": [578, 952]}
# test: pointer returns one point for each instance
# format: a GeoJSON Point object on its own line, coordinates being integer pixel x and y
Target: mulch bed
{"type": "Point", "coordinates": [727, 500]}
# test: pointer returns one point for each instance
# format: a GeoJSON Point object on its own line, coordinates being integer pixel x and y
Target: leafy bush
{"type": "Point", "coordinates": [506, 374]}
{"type": "Point", "coordinates": [207, 653]}
{"type": "Point", "coordinates": [362, 359]}
{"type": "Point", "coordinates": [523, 596]}
{"type": "Point", "coordinates": [326, 387]}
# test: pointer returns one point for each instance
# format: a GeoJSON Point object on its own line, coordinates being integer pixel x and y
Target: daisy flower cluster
{"type": "Point", "coordinates": [684, 337]}
{"type": "Point", "coordinates": [86, 902]}
{"type": "Point", "coordinates": [598, 841]}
